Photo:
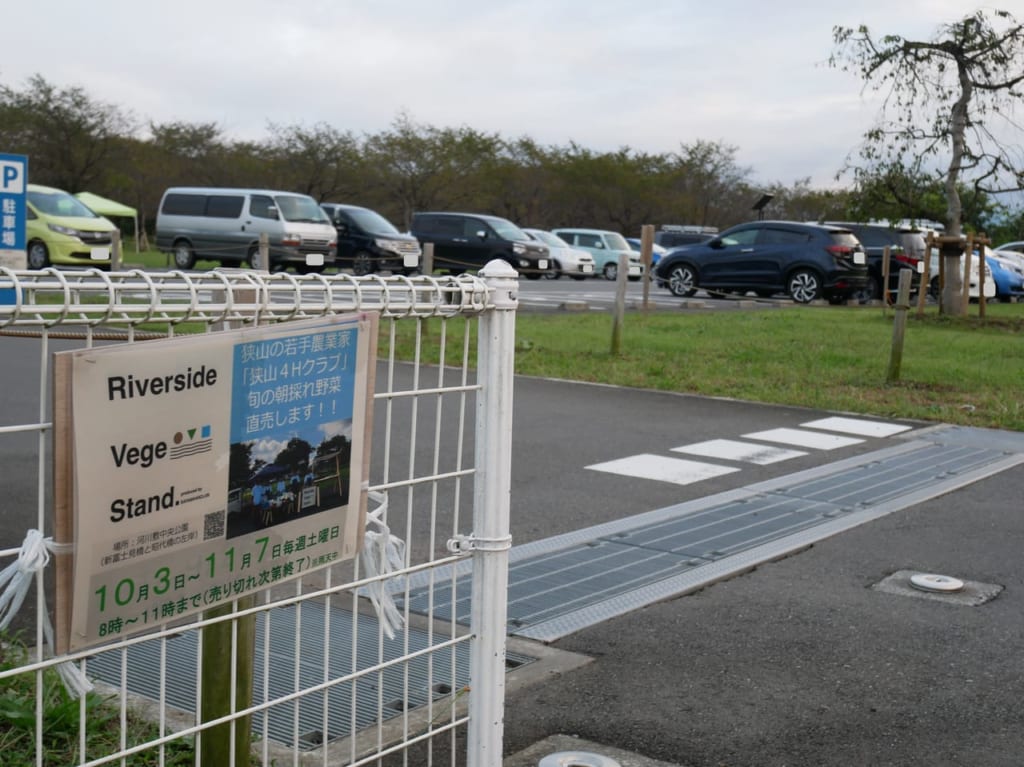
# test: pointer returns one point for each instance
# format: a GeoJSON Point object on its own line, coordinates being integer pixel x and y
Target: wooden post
{"type": "Point", "coordinates": [966, 294]}
{"type": "Point", "coordinates": [982, 242]}
{"type": "Point", "coordinates": [885, 276]}
{"type": "Point", "coordinates": [265, 252]}
{"type": "Point", "coordinates": [922, 291]}
{"type": "Point", "coordinates": [115, 251]}
{"type": "Point", "coordinates": [216, 742]}
{"type": "Point", "coordinates": [619, 313]}
{"type": "Point", "coordinates": [427, 262]}
{"type": "Point", "coordinates": [899, 326]}
{"type": "Point", "coordinates": [646, 248]}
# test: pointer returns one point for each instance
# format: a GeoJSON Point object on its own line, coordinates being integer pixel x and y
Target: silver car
{"type": "Point", "coordinates": [573, 262]}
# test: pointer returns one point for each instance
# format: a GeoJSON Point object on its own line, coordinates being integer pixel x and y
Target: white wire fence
{"type": "Point", "coordinates": [342, 672]}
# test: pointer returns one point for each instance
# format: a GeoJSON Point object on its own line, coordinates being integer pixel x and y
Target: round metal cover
{"type": "Point", "coordinates": [577, 759]}
{"type": "Point", "coordinates": [934, 582]}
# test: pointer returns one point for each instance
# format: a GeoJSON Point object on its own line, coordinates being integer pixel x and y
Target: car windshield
{"type": "Point", "coordinates": [616, 241]}
{"type": "Point", "coordinates": [371, 221]}
{"type": "Point", "coordinates": [59, 204]}
{"type": "Point", "coordinates": [300, 210]}
{"type": "Point", "coordinates": [507, 230]}
{"type": "Point", "coordinates": [551, 240]}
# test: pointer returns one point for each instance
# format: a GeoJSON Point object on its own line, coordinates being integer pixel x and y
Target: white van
{"type": "Point", "coordinates": [225, 225]}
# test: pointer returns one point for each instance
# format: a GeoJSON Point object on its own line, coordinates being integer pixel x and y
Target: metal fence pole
{"type": "Point", "coordinates": [491, 501]}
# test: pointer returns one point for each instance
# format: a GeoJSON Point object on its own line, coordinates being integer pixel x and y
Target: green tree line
{"type": "Point", "coordinates": [79, 143]}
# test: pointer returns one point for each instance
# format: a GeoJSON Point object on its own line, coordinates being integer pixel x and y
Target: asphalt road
{"type": "Point", "coordinates": [798, 662]}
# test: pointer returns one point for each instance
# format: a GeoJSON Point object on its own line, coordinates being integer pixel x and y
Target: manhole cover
{"type": "Point", "coordinates": [940, 584]}
{"type": "Point", "coordinates": [577, 759]}
{"type": "Point", "coordinates": [938, 588]}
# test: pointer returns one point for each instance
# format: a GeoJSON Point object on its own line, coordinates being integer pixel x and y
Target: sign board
{"type": "Point", "coordinates": [13, 181]}
{"type": "Point", "coordinates": [192, 471]}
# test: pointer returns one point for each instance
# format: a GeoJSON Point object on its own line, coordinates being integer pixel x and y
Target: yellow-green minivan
{"type": "Point", "coordinates": [60, 229]}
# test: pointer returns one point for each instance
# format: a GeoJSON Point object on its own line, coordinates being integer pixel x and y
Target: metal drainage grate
{"type": "Point", "coordinates": [580, 579]}
{"type": "Point", "coordinates": [403, 686]}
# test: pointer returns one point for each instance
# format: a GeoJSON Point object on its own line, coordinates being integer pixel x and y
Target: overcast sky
{"type": "Point", "coordinates": [603, 73]}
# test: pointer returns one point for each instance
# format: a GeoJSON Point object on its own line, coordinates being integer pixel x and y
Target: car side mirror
{"type": "Point", "coordinates": [481, 234]}
{"type": "Point", "coordinates": [716, 243]}
{"type": "Point", "coordinates": [341, 227]}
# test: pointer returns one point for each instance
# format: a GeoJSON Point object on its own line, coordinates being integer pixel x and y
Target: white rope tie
{"type": "Point", "coordinates": [382, 553]}
{"type": "Point", "coordinates": [15, 580]}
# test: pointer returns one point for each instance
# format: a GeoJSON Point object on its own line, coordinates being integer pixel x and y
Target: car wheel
{"type": "Point", "coordinates": [184, 257]}
{"type": "Point", "coordinates": [255, 259]}
{"type": "Point", "coordinates": [804, 286]}
{"type": "Point", "coordinates": [610, 271]}
{"type": "Point", "coordinates": [362, 264]}
{"type": "Point", "coordinates": [870, 292]}
{"type": "Point", "coordinates": [682, 281]}
{"type": "Point", "coordinates": [554, 272]}
{"type": "Point", "coordinates": [38, 255]}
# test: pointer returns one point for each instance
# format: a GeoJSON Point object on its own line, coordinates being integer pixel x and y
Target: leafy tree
{"type": "Point", "coordinates": [320, 161]}
{"type": "Point", "coordinates": [946, 101]}
{"type": "Point", "coordinates": [294, 456]}
{"type": "Point", "coordinates": [68, 136]}
{"type": "Point", "coordinates": [239, 464]}
{"type": "Point", "coordinates": [423, 167]}
{"type": "Point", "coordinates": [711, 188]}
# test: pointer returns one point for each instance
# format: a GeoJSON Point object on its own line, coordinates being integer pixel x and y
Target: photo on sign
{"type": "Point", "coordinates": [291, 430]}
{"type": "Point", "coordinates": [282, 477]}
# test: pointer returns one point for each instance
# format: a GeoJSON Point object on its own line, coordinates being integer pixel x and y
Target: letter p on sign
{"type": "Point", "coordinates": [12, 177]}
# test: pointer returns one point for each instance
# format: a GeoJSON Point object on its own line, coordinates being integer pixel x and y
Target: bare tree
{"type": "Point", "coordinates": [947, 101]}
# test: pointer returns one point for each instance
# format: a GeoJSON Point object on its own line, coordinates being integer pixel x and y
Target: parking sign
{"type": "Point", "coordinates": [13, 179]}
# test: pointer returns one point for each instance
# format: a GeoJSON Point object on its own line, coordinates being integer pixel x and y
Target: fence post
{"type": "Point", "coordinates": [491, 501]}
{"type": "Point", "coordinates": [115, 251]}
{"type": "Point", "coordinates": [646, 257]}
{"type": "Point", "coordinates": [924, 285]}
{"type": "Point", "coordinates": [899, 326]}
{"type": "Point", "coordinates": [619, 312]}
{"type": "Point", "coordinates": [982, 242]}
{"type": "Point", "coordinates": [966, 292]}
{"type": "Point", "coordinates": [886, 266]}
{"type": "Point", "coordinates": [428, 259]}
{"type": "Point", "coordinates": [218, 697]}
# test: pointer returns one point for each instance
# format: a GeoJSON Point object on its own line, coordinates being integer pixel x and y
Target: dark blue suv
{"type": "Point", "coordinates": [806, 261]}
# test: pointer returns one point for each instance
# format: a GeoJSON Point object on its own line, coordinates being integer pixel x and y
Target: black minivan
{"type": "Point", "coordinates": [469, 240]}
{"type": "Point", "coordinates": [368, 242]}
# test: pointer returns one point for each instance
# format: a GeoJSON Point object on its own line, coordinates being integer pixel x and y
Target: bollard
{"type": "Point", "coordinates": [899, 326]}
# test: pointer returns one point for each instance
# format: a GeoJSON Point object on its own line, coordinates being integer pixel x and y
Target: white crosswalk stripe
{"type": "Point", "coordinates": [812, 436]}
{"type": "Point", "coordinates": [800, 438]}
{"type": "Point", "coordinates": [677, 470]}
{"type": "Point", "coordinates": [857, 426]}
{"type": "Point", "coordinates": [733, 450]}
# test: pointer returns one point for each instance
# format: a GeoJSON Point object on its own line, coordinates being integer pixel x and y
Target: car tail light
{"type": "Point", "coordinates": [906, 258]}
{"type": "Point", "coordinates": [842, 252]}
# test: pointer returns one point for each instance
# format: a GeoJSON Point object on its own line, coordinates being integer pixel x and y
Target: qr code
{"type": "Point", "coordinates": [213, 525]}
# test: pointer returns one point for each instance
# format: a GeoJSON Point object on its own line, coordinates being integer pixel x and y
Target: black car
{"type": "Point", "coordinates": [807, 261]}
{"type": "Point", "coordinates": [906, 249]}
{"type": "Point", "coordinates": [676, 236]}
{"type": "Point", "coordinates": [368, 242]}
{"type": "Point", "coordinates": [469, 240]}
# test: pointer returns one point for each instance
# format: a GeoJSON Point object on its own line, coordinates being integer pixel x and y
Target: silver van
{"type": "Point", "coordinates": [225, 225]}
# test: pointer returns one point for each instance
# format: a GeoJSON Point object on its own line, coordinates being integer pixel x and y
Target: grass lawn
{"type": "Point", "coordinates": [955, 370]}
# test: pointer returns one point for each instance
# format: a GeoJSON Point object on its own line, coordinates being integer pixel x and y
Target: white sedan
{"type": "Point", "coordinates": [567, 260]}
